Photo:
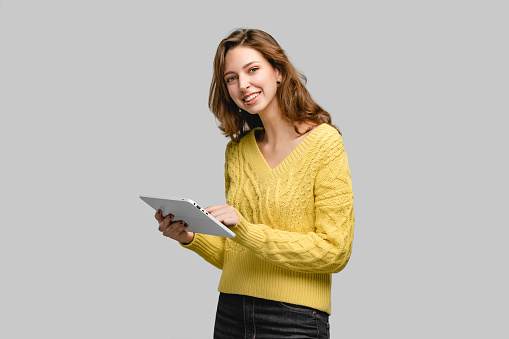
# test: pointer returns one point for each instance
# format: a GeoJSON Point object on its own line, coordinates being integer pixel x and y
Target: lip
{"type": "Point", "coordinates": [252, 101]}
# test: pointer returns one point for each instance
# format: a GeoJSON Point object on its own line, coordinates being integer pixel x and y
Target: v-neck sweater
{"type": "Point", "coordinates": [296, 221]}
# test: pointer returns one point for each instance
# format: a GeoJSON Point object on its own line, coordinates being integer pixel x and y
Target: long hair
{"type": "Point", "coordinates": [294, 100]}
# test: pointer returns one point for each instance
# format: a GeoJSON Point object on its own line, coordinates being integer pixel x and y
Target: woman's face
{"type": "Point", "coordinates": [251, 80]}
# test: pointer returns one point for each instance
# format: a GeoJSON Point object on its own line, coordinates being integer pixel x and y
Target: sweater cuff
{"type": "Point", "coordinates": [247, 234]}
{"type": "Point", "coordinates": [198, 245]}
{"type": "Point", "coordinates": [209, 247]}
{"type": "Point", "coordinates": [193, 244]}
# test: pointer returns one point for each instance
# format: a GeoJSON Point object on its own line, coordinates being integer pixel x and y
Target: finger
{"type": "Point", "coordinates": [162, 226]}
{"type": "Point", "coordinates": [180, 232]}
{"type": "Point", "coordinates": [224, 213]}
{"type": "Point", "coordinates": [222, 216]}
{"type": "Point", "coordinates": [170, 228]}
{"type": "Point", "coordinates": [230, 218]}
{"type": "Point", "coordinates": [231, 221]}
{"type": "Point", "coordinates": [175, 229]}
{"type": "Point", "coordinates": [159, 215]}
{"type": "Point", "coordinates": [215, 207]}
{"type": "Point", "coordinates": [166, 221]}
{"type": "Point", "coordinates": [217, 214]}
{"type": "Point", "coordinates": [222, 210]}
{"type": "Point", "coordinates": [169, 215]}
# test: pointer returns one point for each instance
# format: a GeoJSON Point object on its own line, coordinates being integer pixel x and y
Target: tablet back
{"type": "Point", "coordinates": [199, 220]}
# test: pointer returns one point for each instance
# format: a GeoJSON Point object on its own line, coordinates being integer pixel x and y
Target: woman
{"type": "Point", "coordinates": [289, 197]}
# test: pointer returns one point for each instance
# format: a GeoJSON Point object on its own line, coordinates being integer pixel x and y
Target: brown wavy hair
{"type": "Point", "coordinates": [294, 100]}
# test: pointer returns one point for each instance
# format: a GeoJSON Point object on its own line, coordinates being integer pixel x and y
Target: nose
{"type": "Point", "coordinates": [243, 83]}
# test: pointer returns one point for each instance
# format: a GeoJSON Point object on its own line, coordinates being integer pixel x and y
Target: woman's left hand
{"type": "Point", "coordinates": [224, 213]}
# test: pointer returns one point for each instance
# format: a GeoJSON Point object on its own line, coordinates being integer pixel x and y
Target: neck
{"type": "Point", "coordinates": [276, 129]}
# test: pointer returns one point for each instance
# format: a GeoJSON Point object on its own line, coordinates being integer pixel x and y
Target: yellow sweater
{"type": "Point", "coordinates": [296, 221]}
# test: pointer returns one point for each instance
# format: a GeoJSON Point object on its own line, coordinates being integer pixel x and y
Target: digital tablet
{"type": "Point", "coordinates": [199, 220]}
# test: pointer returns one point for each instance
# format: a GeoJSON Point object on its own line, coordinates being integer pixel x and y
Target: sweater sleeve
{"type": "Point", "coordinates": [209, 247]}
{"type": "Point", "coordinates": [328, 248]}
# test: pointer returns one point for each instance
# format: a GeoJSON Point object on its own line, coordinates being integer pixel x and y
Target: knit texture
{"type": "Point", "coordinates": [296, 221]}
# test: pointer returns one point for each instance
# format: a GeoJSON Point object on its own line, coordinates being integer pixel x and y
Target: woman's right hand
{"type": "Point", "coordinates": [174, 229]}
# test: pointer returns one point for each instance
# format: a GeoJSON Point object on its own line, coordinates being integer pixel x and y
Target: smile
{"type": "Point", "coordinates": [250, 97]}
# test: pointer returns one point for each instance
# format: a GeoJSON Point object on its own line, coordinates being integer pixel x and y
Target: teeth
{"type": "Point", "coordinates": [251, 97]}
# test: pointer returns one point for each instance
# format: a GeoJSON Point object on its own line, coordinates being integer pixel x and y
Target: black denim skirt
{"type": "Point", "coordinates": [240, 316]}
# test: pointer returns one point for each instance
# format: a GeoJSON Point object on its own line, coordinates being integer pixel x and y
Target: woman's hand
{"type": "Point", "coordinates": [224, 213]}
{"type": "Point", "coordinates": [174, 229]}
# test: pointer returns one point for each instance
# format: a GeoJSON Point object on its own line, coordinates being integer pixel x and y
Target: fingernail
{"type": "Point", "coordinates": [171, 215]}
{"type": "Point", "coordinates": [186, 225]}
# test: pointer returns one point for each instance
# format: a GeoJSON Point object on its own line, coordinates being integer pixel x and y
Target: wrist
{"type": "Point", "coordinates": [188, 241]}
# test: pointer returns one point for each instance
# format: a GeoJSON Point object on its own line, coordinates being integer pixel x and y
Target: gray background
{"type": "Point", "coordinates": [104, 100]}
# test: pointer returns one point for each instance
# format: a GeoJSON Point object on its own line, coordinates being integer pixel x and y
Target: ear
{"type": "Point", "coordinates": [279, 76]}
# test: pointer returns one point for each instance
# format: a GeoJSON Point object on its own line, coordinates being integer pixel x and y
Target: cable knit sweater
{"type": "Point", "coordinates": [296, 221]}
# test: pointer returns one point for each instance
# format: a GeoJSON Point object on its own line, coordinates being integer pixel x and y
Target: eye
{"type": "Point", "coordinates": [230, 79]}
{"type": "Point", "coordinates": [252, 70]}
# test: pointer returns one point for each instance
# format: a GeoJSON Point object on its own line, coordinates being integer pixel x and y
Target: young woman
{"type": "Point", "coordinates": [288, 197]}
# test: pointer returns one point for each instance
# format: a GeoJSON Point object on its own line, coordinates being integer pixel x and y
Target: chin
{"type": "Point", "coordinates": [252, 112]}
{"type": "Point", "coordinates": [255, 110]}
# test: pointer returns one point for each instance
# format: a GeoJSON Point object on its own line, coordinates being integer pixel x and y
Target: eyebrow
{"type": "Point", "coordinates": [243, 67]}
